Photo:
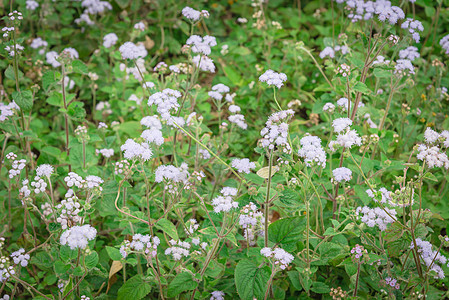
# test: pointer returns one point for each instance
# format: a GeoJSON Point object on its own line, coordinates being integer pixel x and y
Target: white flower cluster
{"type": "Point", "coordinates": [194, 15]}
{"type": "Point", "coordinates": [140, 26]}
{"type": "Point", "coordinates": [141, 243]}
{"type": "Point", "coordinates": [68, 211]}
{"type": "Point", "coordinates": [344, 70]}
{"type": "Point", "coordinates": [239, 120]}
{"type": "Point", "coordinates": [44, 170]}
{"type": "Point", "coordinates": [361, 10]}
{"type": "Point", "coordinates": [252, 222]}
{"type": "Point", "coordinates": [31, 5]}
{"type": "Point", "coordinates": [243, 165]}
{"type": "Point", "coordinates": [217, 295]}
{"type": "Point", "coordinates": [178, 249]}
{"type": "Point", "coordinates": [444, 42]}
{"type": "Point", "coordinates": [39, 185]}
{"type": "Point", "coordinates": [94, 182]}
{"type": "Point", "coordinates": [166, 101]}
{"type": "Point", "coordinates": [204, 63]}
{"type": "Point", "coordinates": [431, 153]}
{"type": "Point", "coordinates": [376, 216]}
{"type": "Point", "coordinates": [6, 30]}
{"type": "Point", "coordinates": [385, 196]}
{"type": "Point", "coordinates": [218, 91]}
{"type": "Point", "coordinates": [411, 53]}
{"type": "Point", "coordinates": [92, 7]}
{"type": "Point", "coordinates": [204, 154]}
{"type": "Point", "coordinates": [133, 51]}
{"type": "Point", "coordinates": [154, 133]}
{"type": "Point", "coordinates": [105, 152]}
{"type": "Point", "coordinates": [413, 27]}
{"type": "Point", "coordinates": [273, 78]}
{"type": "Point", "coordinates": [225, 202]}
{"type": "Point", "coordinates": [7, 110]}
{"type": "Point", "coordinates": [172, 175]}
{"type": "Point", "coordinates": [201, 45]}
{"type": "Point", "coordinates": [404, 67]}
{"type": "Point", "coordinates": [329, 51]}
{"type": "Point", "coordinates": [20, 257]}
{"type": "Point", "coordinates": [17, 165]}
{"type": "Point", "coordinates": [6, 270]}
{"type": "Point", "coordinates": [279, 255]}
{"type": "Point", "coordinates": [110, 40]}
{"type": "Point", "coordinates": [430, 257]}
{"type": "Point", "coordinates": [78, 236]}
{"type": "Point", "coordinates": [13, 49]}
{"type": "Point", "coordinates": [122, 167]}
{"type": "Point", "coordinates": [192, 226]}
{"type": "Point", "coordinates": [341, 174]}
{"type": "Point", "coordinates": [39, 43]}
{"type": "Point", "coordinates": [392, 282]}
{"type": "Point", "coordinates": [344, 103]}
{"type": "Point", "coordinates": [346, 140]}
{"type": "Point", "coordinates": [312, 151]}
{"type": "Point", "coordinates": [133, 150]}
{"type": "Point", "coordinates": [275, 132]}
{"type": "Point", "coordinates": [341, 124]}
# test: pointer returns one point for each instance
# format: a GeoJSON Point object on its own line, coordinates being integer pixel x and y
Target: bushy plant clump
{"type": "Point", "coordinates": [224, 149]}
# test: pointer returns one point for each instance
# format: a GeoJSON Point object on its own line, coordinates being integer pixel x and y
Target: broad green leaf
{"type": "Point", "coordinates": [250, 280]}
{"type": "Point", "coordinates": [361, 87]}
{"type": "Point", "coordinates": [381, 73]}
{"type": "Point", "coordinates": [287, 230]}
{"type": "Point", "coordinates": [167, 227]}
{"type": "Point", "coordinates": [182, 282]}
{"type": "Point", "coordinates": [91, 260]}
{"type": "Point", "coordinates": [24, 100]}
{"type": "Point", "coordinates": [113, 253]}
{"type": "Point", "coordinates": [79, 67]}
{"type": "Point", "coordinates": [134, 288]}
{"type": "Point", "coordinates": [76, 112]}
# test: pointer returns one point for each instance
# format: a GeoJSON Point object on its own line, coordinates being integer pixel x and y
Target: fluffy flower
{"type": "Point", "coordinates": [273, 78]}
{"type": "Point", "coordinates": [341, 124]}
{"type": "Point", "coordinates": [341, 174]}
{"type": "Point", "coordinates": [132, 51]}
{"type": "Point", "coordinates": [133, 150]}
{"type": "Point", "coordinates": [44, 170]}
{"type": "Point", "coordinates": [312, 151]}
{"type": "Point", "coordinates": [110, 40]}
{"type": "Point", "coordinates": [243, 165]}
{"type": "Point", "coordinates": [78, 236]}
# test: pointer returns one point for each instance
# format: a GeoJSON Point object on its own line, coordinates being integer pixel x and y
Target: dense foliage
{"type": "Point", "coordinates": [253, 149]}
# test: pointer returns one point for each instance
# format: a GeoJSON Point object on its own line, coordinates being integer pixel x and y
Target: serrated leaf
{"type": "Point", "coordinates": [114, 253]}
{"type": "Point", "coordinates": [79, 67]}
{"type": "Point", "coordinates": [250, 280]}
{"type": "Point", "coordinates": [24, 100]}
{"type": "Point", "coordinates": [48, 79]}
{"type": "Point", "coordinates": [287, 230]}
{"type": "Point", "coordinates": [167, 227]}
{"type": "Point", "coordinates": [182, 282]}
{"type": "Point", "coordinates": [134, 288]}
{"type": "Point", "coordinates": [361, 87]}
{"type": "Point", "coordinates": [91, 260]}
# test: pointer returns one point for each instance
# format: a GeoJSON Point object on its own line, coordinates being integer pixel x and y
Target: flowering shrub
{"type": "Point", "coordinates": [224, 149]}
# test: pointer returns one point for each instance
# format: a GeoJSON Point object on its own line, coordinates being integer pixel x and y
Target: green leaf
{"type": "Point", "coordinates": [361, 87]}
{"type": "Point", "coordinates": [182, 282]}
{"type": "Point", "coordinates": [135, 288]}
{"type": "Point", "coordinates": [287, 230]}
{"type": "Point", "coordinates": [66, 254]}
{"type": "Point", "coordinates": [24, 100]}
{"type": "Point", "coordinates": [79, 67]}
{"type": "Point", "coordinates": [76, 112]}
{"type": "Point", "coordinates": [60, 267]}
{"type": "Point", "coordinates": [114, 253]}
{"type": "Point", "coordinates": [290, 197]}
{"type": "Point", "coordinates": [48, 79]}
{"type": "Point", "coordinates": [232, 74]}
{"type": "Point", "coordinates": [381, 73]}
{"type": "Point", "coordinates": [50, 150]}
{"type": "Point", "coordinates": [250, 280]}
{"type": "Point", "coordinates": [9, 73]}
{"type": "Point", "coordinates": [91, 260]}
{"type": "Point", "coordinates": [320, 288]}
{"type": "Point", "coordinates": [167, 227]}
